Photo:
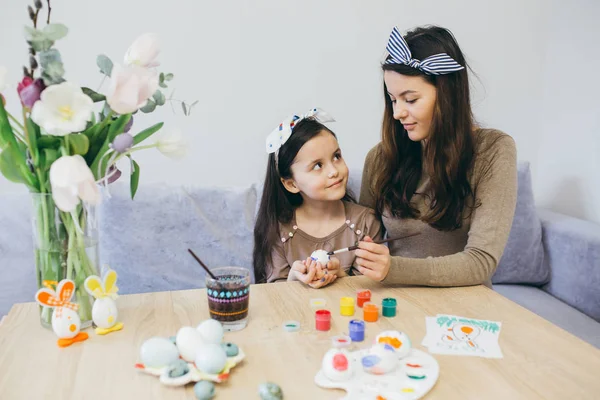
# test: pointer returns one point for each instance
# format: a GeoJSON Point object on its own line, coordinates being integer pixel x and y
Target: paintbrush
{"type": "Point", "coordinates": [377, 242]}
{"type": "Point", "coordinates": [205, 267]}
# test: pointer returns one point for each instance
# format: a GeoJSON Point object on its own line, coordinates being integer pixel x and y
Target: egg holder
{"type": "Point", "coordinates": [412, 378]}
{"type": "Point", "coordinates": [194, 374]}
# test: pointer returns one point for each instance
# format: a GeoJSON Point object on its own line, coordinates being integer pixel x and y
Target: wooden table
{"type": "Point", "coordinates": [541, 361]}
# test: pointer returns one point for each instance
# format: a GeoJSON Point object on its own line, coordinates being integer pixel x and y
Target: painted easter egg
{"type": "Point", "coordinates": [231, 349]}
{"type": "Point", "coordinates": [189, 341]}
{"type": "Point", "coordinates": [211, 331]}
{"type": "Point", "coordinates": [398, 340]}
{"type": "Point", "coordinates": [381, 359]}
{"type": "Point", "coordinates": [320, 256]}
{"type": "Point", "coordinates": [211, 359]}
{"type": "Point", "coordinates": [204, 390]}
{"type": "Point", "coordinates": [105, 313]}
{"type": "Point", "coordinates": [158, 352]}
{"type": "Point", "coordinates": [337, 365]}
{"type": "Point", "coordinates": [65, 323]}
{"type": "Point", "coordinates": [270, 391]}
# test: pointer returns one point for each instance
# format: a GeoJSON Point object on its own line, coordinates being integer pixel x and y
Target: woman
{"type": "Point", "coordinates": [436, 172]}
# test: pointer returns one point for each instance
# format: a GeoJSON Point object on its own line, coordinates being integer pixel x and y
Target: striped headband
{"type": "Point", "coordinates": [437, 64]}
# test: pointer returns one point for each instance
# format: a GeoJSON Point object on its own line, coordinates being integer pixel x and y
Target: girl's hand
{"type": "Point", "coordinates": [327, 278]}
{"type": "Point", "coordinates": [373, 260]}
{"type": "Point", "coordinates": [334, 267]}
{"type": "Point", "coordinates": [300, 272]}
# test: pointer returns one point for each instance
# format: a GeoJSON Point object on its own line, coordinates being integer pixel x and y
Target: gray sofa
{"type": "Point", "coordinates": [551, 264]}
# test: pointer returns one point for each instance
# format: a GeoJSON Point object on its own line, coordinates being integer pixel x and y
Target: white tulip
{"type": "Point", "coordinates": [131, 87]}
{"type": "Point", "coordinates": [62, 109]}
{"type": "Point", "coordinates": [143, 51]}
{"type": "Point", "coordinates": [72, 180]}
{"type": "Point", "coordinates": [3, 81]}
{"type": "Point", "coordinates": [172, 144]}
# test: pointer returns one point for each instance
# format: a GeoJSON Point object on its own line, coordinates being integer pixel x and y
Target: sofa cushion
{"type": "Point", "coordinates": [554, 310]}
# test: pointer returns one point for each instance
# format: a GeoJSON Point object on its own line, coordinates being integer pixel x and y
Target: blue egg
{"type": "Point", "coordinates": [231, 349]}
{"type": "Point", "coordinates": [204, 390]}
{"type": "Point", "coordinates": [178, 368]}
{"type": "Point", "coordinates": [270, 391]}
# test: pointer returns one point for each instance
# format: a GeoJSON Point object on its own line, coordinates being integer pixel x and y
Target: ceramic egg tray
{"type": "Point", "coordinates": [415, 375]}
{"type": "Point", "coordinates": [194, 375]}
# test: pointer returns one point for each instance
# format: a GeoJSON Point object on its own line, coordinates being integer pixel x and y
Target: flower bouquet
{"type": "Point", "coordinates": [65, 143]}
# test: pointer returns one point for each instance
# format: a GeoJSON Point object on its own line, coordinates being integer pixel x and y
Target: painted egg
{"type": "Point", "coordinates": [65, 323]}
{"type": "Point", "coordinates": [337, 365]}
{"type": "Point", "coordinates": [211, 359]}
{"type": "Point", "coordinates": [158, 352]}
{"type": "Point", "coordinates": [204, 390]}
{"type": "Point", "coordinates": [104, 313]}
{"type": "Point", "coordinates": [380, 360]}
{"type": "Point", "coordinates": [270, 391]}
{"type": "Point", "coordinates": [178, 368]}
{"type": "Point", "coordinates": [211, 331]}
{"type": "Point", "coordinates": [320, 256]}
{"type": "Point", "coordinates": [189, 341]}
{"type": "Point", "coordinates": [398, 340]}
{"type": "Point", "coordinates": [231, 349]}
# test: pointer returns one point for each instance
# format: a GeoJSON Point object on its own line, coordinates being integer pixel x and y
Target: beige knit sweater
{"type": "Point", "coordinates": [469, 255]}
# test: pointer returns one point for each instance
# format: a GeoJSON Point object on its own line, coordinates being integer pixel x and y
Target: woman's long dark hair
{"type": "Point", "coordinates": [277, 205]}
{"type": "Point", "coordinates": [448, 153]}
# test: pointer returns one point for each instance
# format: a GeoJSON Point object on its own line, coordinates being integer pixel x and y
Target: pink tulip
{"type": "Point", "coordinates": [131, 87]}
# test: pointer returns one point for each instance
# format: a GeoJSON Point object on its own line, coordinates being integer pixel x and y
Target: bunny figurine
{"type": "Point", "coordinates": [104, 311]}
{"type": "Point", "coordinates": [65, 320]}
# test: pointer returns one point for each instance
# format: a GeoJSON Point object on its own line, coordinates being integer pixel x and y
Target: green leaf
{"type": "Point", "coordinates": [55, 31]}
{"type": "Point", "coordinates": [184, 106]}
{"type": "Point", "coordinates": [78, 144]}
{"type": "Point", "coordinates": [48, 57]}
{"type": "Point", "coordinates": [161, 77]}
{"type": "Point", "coordinates": [96, 97]}
{"type": "Point", "coordinates": [115, 128]}
{"type": "Point", "coordinates": [6, 133]}
{"type": "Point", "coordinates": [33, 134]}
{"type": "Point", "coordinates": [149, 107]}
{"type": "Point", "coordinates": [159, 98]}
{"type": "Point", "coordinates": [162, 85]}
{"type": "Point", "coordinates": [169, 77]}
{"type": "Point", "coordinates": [48, 141]}
{"type": "Point", "coordinates": [96, 135]}
{"type": "Point", "coordinates": [105, 64]}
{"type": "Point", "coordinates": [53, 73]}
{"type": "Point", "coordinates": [47, 157]}
{"type": "Point", "coordinates": [135, 178]}
{"type": "Point", "coordinates": [146, 133]}
{"type": "Point", "coordinates": [9, 165]}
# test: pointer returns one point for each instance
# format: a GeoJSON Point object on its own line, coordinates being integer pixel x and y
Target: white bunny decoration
{"type": "Point", "coordinates": [104, 311]}
{"type": "Point", "coordinates": [65, 320]}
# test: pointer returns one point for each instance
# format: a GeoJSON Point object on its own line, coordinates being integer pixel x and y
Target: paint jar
{"type": "Point", "coordinates": [356, 328]}
{"type": "Point", "coordinates": [322, 320]}
{"type": "Point", "coordinates": [370, 312]}
{"type": "Point", "coordinates": [341, 341]}
{"type": "Point", "coordinates": [388, 307]}
{"type": "Point", "coordinates": [347, 306]}
{"type": "Point", "coordinates": [362, 296]}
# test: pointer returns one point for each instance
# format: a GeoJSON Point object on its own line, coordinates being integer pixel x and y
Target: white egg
{"type": "Point", "coordinates": [337, 365]}
{"type": "Point", "coordinates": [398, 340]}
{"type": "Point", "coordinates": [188, 342]}
{"type": "Point", "coordinates": [381, 359]}
{"type": "Point", "coordinates": [211, 331]}
{"type": "Point", "coordinates": [211, 359]}
{"type": "Point", "coordinates": [158, 352]}
{"type": "Point", "coordinates": [320, 256]}
{"type": "Point", "coordinates": [65, 322]}
{"type": "Point", "coordinates": [104, 313]}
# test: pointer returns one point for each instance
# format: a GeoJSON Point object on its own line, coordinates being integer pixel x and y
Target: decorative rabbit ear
{"type": "Point", "coordinates": [46, 297]}
{"type": "Point", "coordinates": [93, 286]}
{"type": "Point", "coordinates": [65, 290]}
{"type": "Point", "coordinates": [110, 281]}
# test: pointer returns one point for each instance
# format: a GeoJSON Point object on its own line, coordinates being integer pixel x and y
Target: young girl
{"type": "Point", "coordinates": [305, 206]}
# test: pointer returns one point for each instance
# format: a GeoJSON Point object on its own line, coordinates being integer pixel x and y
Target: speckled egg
{"type": "Point", "coordinates": [270, 391]}
{"type": "Point", "coordinates": [178, 368]}
{"type": "Point", "coordinates": [211, 359]}
{"type": "Point", "coordinates": [204, 390]}
{"type": "Point", "coordinates": [189, 341]}
{"type": "Point", "coordinates": [211, 331]}
{"type": "Point", "coordinates": [231, 349]}
{"type": "Point", "coordinates": [158, 352]}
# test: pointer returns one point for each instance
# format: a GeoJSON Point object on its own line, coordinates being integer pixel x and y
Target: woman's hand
{"type": "Point", "coordinates": [373, 260]}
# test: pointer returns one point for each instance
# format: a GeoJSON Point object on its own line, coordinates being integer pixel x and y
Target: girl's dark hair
{"type": "Point", "coordinates": [277, 205]}
{"type": "Point", "coordinates": [448, 153]}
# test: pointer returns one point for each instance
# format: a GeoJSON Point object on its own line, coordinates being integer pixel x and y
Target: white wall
{"type": "Point", "coordinates": [252, 63]}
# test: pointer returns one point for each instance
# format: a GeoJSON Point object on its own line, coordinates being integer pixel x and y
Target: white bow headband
{"type": "Point", "coordinates": [282, 133]}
